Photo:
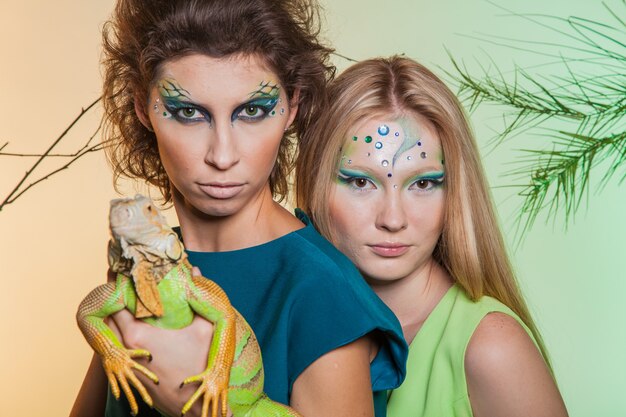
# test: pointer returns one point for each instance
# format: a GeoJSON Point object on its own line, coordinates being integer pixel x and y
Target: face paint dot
{"type": "Point", "coordinates": [349, 161]}
{"type": "Point", "coordinates": [273, 113]}
{"type": "Point", "coordinates": [368, 154]}
{"type": "Point", "coordinates": [395, 186]}
{"type": "Point", "coordinates": [378, 145]}
{"type": "Point", "coordinates": [354, 138]}
{"type": "Point", "coordinates": [156, 108]}
{"type": "Point", "coordinates": [389, 175]}
{"type": "Point", "coordinates": [423, 155]}
{"type": "Point", "coordinates": [397, 134]}
{"type": "Point", "coordinates": [443, 162]}
{"type": "Point", "coordinates": [368, 139]}
{"type": "Point", "coordinates": [408, 158]}
{"type": "Point", "coordinates": [164, 114]}
{"type": "Point", "coordinates": [385, 163]}
{"type": "Point", "coordinates": [419, 143]}
{"type": "Point", "coordinates": [282, 111]}
{"type": "Point", "coordinates": [383, 130]}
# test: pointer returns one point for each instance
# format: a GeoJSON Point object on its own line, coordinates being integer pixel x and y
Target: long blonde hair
{"type": "Point", "coordinates": [471, 247]}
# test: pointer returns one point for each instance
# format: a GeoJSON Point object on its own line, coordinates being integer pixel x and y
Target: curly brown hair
{"type": "Point", "coordinates": [144, 34]}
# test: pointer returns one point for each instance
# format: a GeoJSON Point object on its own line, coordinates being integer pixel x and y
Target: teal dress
{"type": "Point", "coordinates": [302, 298]}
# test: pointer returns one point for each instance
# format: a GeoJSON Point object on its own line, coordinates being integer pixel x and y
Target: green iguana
{"type": "Point", "coordinates": [155, 283]}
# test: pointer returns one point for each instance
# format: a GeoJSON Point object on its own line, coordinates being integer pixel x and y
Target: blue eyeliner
{"type": "Point", "coordinates": [436, 178]}
{"type": "Point", "coordinates": [347, 177]}
{"type": "Point", "coordinates": [175, 106]}
{"type": "Point", "coordinates": [265, 104]}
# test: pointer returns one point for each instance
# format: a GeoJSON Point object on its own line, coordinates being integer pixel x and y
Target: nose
{"type": "Point", "coordinates": [391, 214]}
{"type": "Point", "coordinates": [222, 152]}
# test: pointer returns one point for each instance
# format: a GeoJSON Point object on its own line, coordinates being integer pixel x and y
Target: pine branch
{"type": "Point", "coordinates": [594, 100]}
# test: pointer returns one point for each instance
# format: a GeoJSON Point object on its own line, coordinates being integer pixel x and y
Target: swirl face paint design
{"type": "Point", "coordinates": [390, 153]}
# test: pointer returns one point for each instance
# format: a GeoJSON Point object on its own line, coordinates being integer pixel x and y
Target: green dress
{"type": "Point", "coordinates": [435, 384]}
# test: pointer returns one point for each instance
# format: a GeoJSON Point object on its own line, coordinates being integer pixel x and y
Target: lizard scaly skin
{"type": "Point", "coordinates": [155, 283]}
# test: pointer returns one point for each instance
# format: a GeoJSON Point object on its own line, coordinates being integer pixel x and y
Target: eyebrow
{"type": "Point", "coordinates": [266, 89]}
{"type": "Point", "coordinates": [169, 88]}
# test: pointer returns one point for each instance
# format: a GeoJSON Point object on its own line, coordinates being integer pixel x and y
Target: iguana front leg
{"type": "Point", "coordinates": [209, 301]}
{"type": "Point", "coordinates": [117, 361]}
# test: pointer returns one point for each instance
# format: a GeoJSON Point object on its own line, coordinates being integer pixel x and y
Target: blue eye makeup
{"type": "Point", "coordinates": [355, 180]}
{"type": "Point", "coordinates": [177, 103]}
{"type": "Point", "coordinates": [255, 110]}
{"type": "Point", "coordinates": [427, 182]}
{"type": "Point", "coordinates": [185, 112]}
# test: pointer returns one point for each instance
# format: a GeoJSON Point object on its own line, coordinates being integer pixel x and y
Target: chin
{"type": "Point", "coordinates": [383, 276]}
{"type": "Point", "coordinates": [219, 208]}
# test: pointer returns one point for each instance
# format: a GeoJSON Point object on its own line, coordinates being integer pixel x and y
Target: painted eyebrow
{"type": "Point", "coordinates": [169, 88]}
{"type": "Point", "coordinates": [266, 89]}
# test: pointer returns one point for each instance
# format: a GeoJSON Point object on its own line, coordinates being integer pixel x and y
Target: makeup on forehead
{"type": "Point", "coordinates": [398, 133]}
{"type": "Point", "coordinates": [386, 143]}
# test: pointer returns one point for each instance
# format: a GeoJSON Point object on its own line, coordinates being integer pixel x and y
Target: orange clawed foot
{"type": "Point", "coordinates": [118, 366]}
{"type": "Point", "coordinates": [214, 388]}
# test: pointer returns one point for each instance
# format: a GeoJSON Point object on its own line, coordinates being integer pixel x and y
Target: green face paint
{"type": "Point", "coordinates": [266, 89]}
{"type": "Point", "coordinates": [262, 104]}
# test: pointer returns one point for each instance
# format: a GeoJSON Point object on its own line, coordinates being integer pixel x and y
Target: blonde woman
{"type": "Point", "coordinates": [391, 174]}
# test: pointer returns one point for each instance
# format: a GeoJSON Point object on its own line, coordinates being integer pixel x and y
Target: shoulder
{"type": "Point", "coordinates": [506, 373]}
{"type": "Point", "coordinates": [498, 342]}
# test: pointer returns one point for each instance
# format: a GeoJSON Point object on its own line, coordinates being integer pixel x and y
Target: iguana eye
{"type": "Point", "coordinates": [150, 209]}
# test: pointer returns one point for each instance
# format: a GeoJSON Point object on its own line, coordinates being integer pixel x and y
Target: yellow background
{"type": "Point", "coordinates": [53, 239]}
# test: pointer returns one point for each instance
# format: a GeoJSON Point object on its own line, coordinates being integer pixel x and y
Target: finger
{"type": "Point", "coordinates": [205, 406]}
{"type": "Point", "coordinates": [224, 400]}
{"type": "Point", "coordinates": [192, 400]}
{"type": "Point", "coordinates": [115, 388]}
{"type": "Point", "coordinates": [134, 409]}
{"type": "Point", "coordinates": [140, 353]}
{"type": "Point", "coordinates": [196, 378]}
{"type": "Point", "coordinates": [151, 375]}
{"type": "Point", "coordinates": [195, 271]}
{"type": "Point", "coordinates": [140, 388]}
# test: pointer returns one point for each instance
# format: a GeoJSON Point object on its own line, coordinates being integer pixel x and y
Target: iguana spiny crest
{"type": "Point", "coordinates": [144, 247]}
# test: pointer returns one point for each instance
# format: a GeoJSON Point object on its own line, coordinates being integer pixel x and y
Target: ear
{"type": "Point", "coordinates": [293, 107]}
{"type": "Point", "coordinates": [173, 248]}
{"type": "Point", "coordinates": [140, 111]}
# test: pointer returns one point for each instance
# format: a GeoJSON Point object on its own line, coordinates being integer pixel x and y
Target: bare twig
{"type": "Point", "coordinates": [19, 190]}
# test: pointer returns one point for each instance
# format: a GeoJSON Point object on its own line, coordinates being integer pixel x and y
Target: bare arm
{"type": "Point", "coordinates": [506, 374]}
{"type": "Point", "coordinates": [337, 384]}
{"type": "Point", "coordinates": [92, 396]}
{"type": "Point", "coordinates": [91, 399]}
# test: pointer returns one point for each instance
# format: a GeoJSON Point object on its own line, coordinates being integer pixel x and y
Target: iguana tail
{"type": "Point", "coordinates": [245, 393]}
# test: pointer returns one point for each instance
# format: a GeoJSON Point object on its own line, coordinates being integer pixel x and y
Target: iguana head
{"type": "Point", "coordinates": [142, 246]}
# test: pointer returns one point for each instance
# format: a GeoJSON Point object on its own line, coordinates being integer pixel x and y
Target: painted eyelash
{"type": "Point", "coordinates": [349, 180]}
{"type": "Point", "coordinates": [266, 104]}
{"type": "Point", "coordinates": [436, 181]}
{"type": "Point", "coordinates": [175, 106]}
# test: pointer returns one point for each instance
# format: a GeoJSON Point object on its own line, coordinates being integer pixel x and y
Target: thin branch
{"type": "Point", "coordinates": [15, 193]}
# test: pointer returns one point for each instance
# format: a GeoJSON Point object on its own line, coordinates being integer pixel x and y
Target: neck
{"type": "Point", "coordinates": [414, 297]}
{"type": "Point", "coordinates": [258, 222]}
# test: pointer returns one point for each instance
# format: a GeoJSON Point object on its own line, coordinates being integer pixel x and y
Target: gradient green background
{"type": "Point", "coordinates": [53, 239]}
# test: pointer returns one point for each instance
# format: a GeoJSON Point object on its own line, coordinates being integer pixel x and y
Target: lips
{"type": "Point", "coordinates": [389, 250]}
{"type": "Point", "coordinates": [222, 191]}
